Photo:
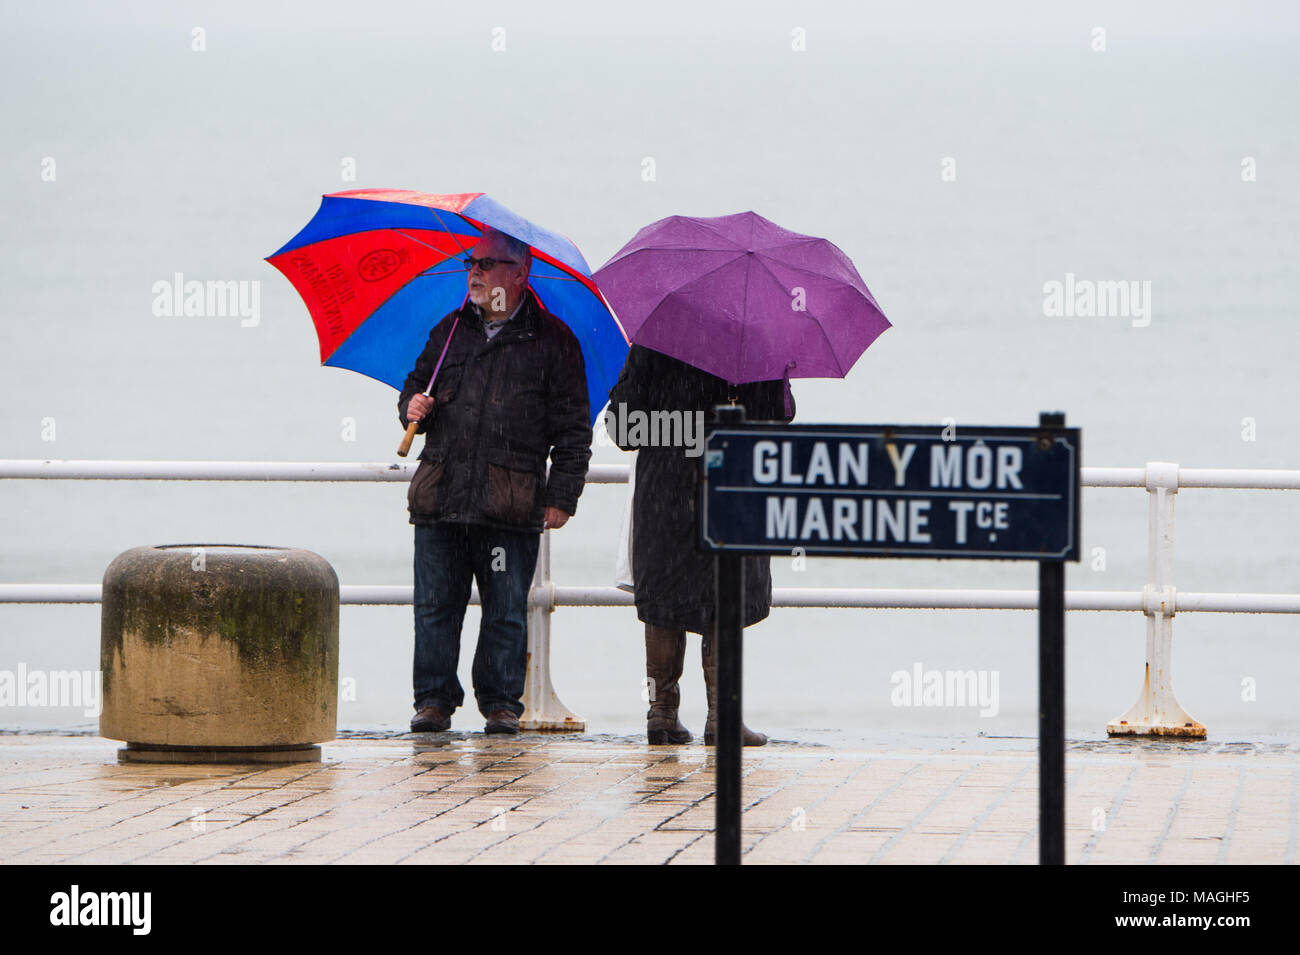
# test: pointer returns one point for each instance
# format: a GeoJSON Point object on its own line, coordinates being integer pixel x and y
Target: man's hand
{"type": "Point", "coordinates": [418, 407]}
{"type": "Point", "coordinates": [556, 518]}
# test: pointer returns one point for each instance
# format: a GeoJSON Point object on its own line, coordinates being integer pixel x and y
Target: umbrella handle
{"type": "Point", "coordinates": [405, 446]}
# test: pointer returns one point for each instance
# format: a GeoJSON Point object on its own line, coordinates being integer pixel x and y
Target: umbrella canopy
{"type": "Point", "coordinates": [742, 298]}
{"type": "Point", "coordinates": [378, 268]}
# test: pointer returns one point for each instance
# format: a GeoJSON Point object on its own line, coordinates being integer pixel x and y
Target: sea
{"type": "Point", "coordinates": [964, 156]}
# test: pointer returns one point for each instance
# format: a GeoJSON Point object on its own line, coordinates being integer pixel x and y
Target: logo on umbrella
{"type": "Point", "coordinates": [379, 264]}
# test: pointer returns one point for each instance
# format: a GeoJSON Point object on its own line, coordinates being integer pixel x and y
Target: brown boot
{"type": "Point", "coordinates": [665, 654]}
{"type": "Point", "coordinates": [709, 657]}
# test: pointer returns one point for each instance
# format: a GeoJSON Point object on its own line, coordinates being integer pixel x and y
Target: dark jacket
{"type": "Point", "coordinates": [501, 406]}
{"type": "Point", "coordinates": [675, 583]}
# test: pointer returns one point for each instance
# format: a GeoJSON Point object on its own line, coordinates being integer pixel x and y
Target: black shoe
{"type": "Point", "coordinates": [431, 719]}
{"type": "Point", "coordinates": [502, 721]}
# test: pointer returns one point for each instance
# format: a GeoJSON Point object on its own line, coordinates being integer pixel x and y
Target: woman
{"type": "Point", "coordinates": [675, 583]}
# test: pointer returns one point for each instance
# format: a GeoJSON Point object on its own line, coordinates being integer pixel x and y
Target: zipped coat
{"type": "Point", "coordinates": [502, 406]}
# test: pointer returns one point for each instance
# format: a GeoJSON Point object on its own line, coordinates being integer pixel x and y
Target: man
{"type": "Point", "coordinates": [512, 390]}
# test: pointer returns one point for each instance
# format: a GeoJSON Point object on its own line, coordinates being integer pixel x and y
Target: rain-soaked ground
{"type": "Point", "coordinates": [382, 797]}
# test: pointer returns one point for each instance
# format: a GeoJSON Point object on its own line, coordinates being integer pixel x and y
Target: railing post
{"type": "Point", "coordinates": [542, 708]}
{"type": "Point", "coordinates": [1157, 711]}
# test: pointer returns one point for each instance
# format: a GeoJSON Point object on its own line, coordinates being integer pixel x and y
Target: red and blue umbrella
{"type": "Point", "coordinates": [378, 268]}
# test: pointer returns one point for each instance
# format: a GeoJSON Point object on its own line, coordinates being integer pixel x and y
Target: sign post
{"type": "Point", "coordinates": [981, 493]}
{"type": "Point", "coordinates": [1051, 695]}
{"type": "Point", "coordinates": [729, 655]}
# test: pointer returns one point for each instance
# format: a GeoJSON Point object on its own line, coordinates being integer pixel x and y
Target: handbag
{"type": "Point", "coordinates": [624, 576]}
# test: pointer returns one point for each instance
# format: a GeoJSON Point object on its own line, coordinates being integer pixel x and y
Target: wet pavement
{"type": "Point", "coordinates": [536, 798]}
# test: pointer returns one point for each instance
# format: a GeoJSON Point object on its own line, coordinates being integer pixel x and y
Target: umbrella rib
{"type": "Point", "coordinates": [820, 327]}
{"type": "Point", "coordinates": [723, 235]}
{"type": "Point", "coordinates": [795, 240]}
{"type": "Point", "coordinates": [531, 278]}
{"type": "Point", "coordinates": [445, 255]}
{"type": "Point", "coordinates": [549, 278]}
{"type": "Point", "coordinates": [677, 248]}
{"type": "Point", "coordinates": [394, 293]}
{"type": "Point", "coordinates": [822, 274]}
{"type": "Point", "coordinates": [463, 248]}
{"type": "Point", "coordinates": [673, 291]}
{"type": "Point", "coordinates": [620, 258]}
{"type": "Point", "coordinates": [863, 292]}
{"type": "Point", "coordinates": [744, 306]}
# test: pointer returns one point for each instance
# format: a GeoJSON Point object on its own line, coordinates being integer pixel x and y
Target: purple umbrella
{"type": "Point", "coordinates": [742, 298]}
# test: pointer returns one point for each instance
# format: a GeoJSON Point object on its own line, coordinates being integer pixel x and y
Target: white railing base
{"type": "Point", "coordinates": [1150, 716]}
{"type": "Point", "coordinates": [542, 708]}
{"type": "Point", "coordinates": [544, 712]}
{"type": "Point", "coordinates": [1157, 711]}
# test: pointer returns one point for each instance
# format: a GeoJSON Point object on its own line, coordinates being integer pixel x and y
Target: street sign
{"type": "Point", "coordinates": [891, 491]}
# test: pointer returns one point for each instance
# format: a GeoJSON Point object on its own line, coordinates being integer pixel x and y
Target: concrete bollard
{"type": "Point", "coordinates": [220, 653]}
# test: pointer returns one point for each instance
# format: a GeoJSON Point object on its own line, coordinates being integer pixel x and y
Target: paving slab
{"type": "Point", "coordinates": [538, 798]}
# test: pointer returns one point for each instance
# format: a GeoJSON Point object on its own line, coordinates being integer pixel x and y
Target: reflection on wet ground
{"type": "Point", "coordinates": [383, 797]}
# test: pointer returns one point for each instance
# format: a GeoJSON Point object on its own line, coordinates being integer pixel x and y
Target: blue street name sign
{"type": "Point", "coordinates": [891, 491]}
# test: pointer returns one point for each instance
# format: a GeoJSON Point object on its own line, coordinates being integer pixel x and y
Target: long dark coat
{"type": "Point", "coordinates": [675, 583]}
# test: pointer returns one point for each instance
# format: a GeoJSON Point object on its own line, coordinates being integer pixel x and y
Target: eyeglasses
{"type": "Point", "coordinates": [487, 265]}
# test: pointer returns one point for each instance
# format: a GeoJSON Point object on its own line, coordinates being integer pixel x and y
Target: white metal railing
{"type": "Point", "coordinates": [1156, 712]}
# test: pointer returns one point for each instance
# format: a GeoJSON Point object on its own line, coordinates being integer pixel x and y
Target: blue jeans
{"type": "Point", "coordinates": [447, 557]}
